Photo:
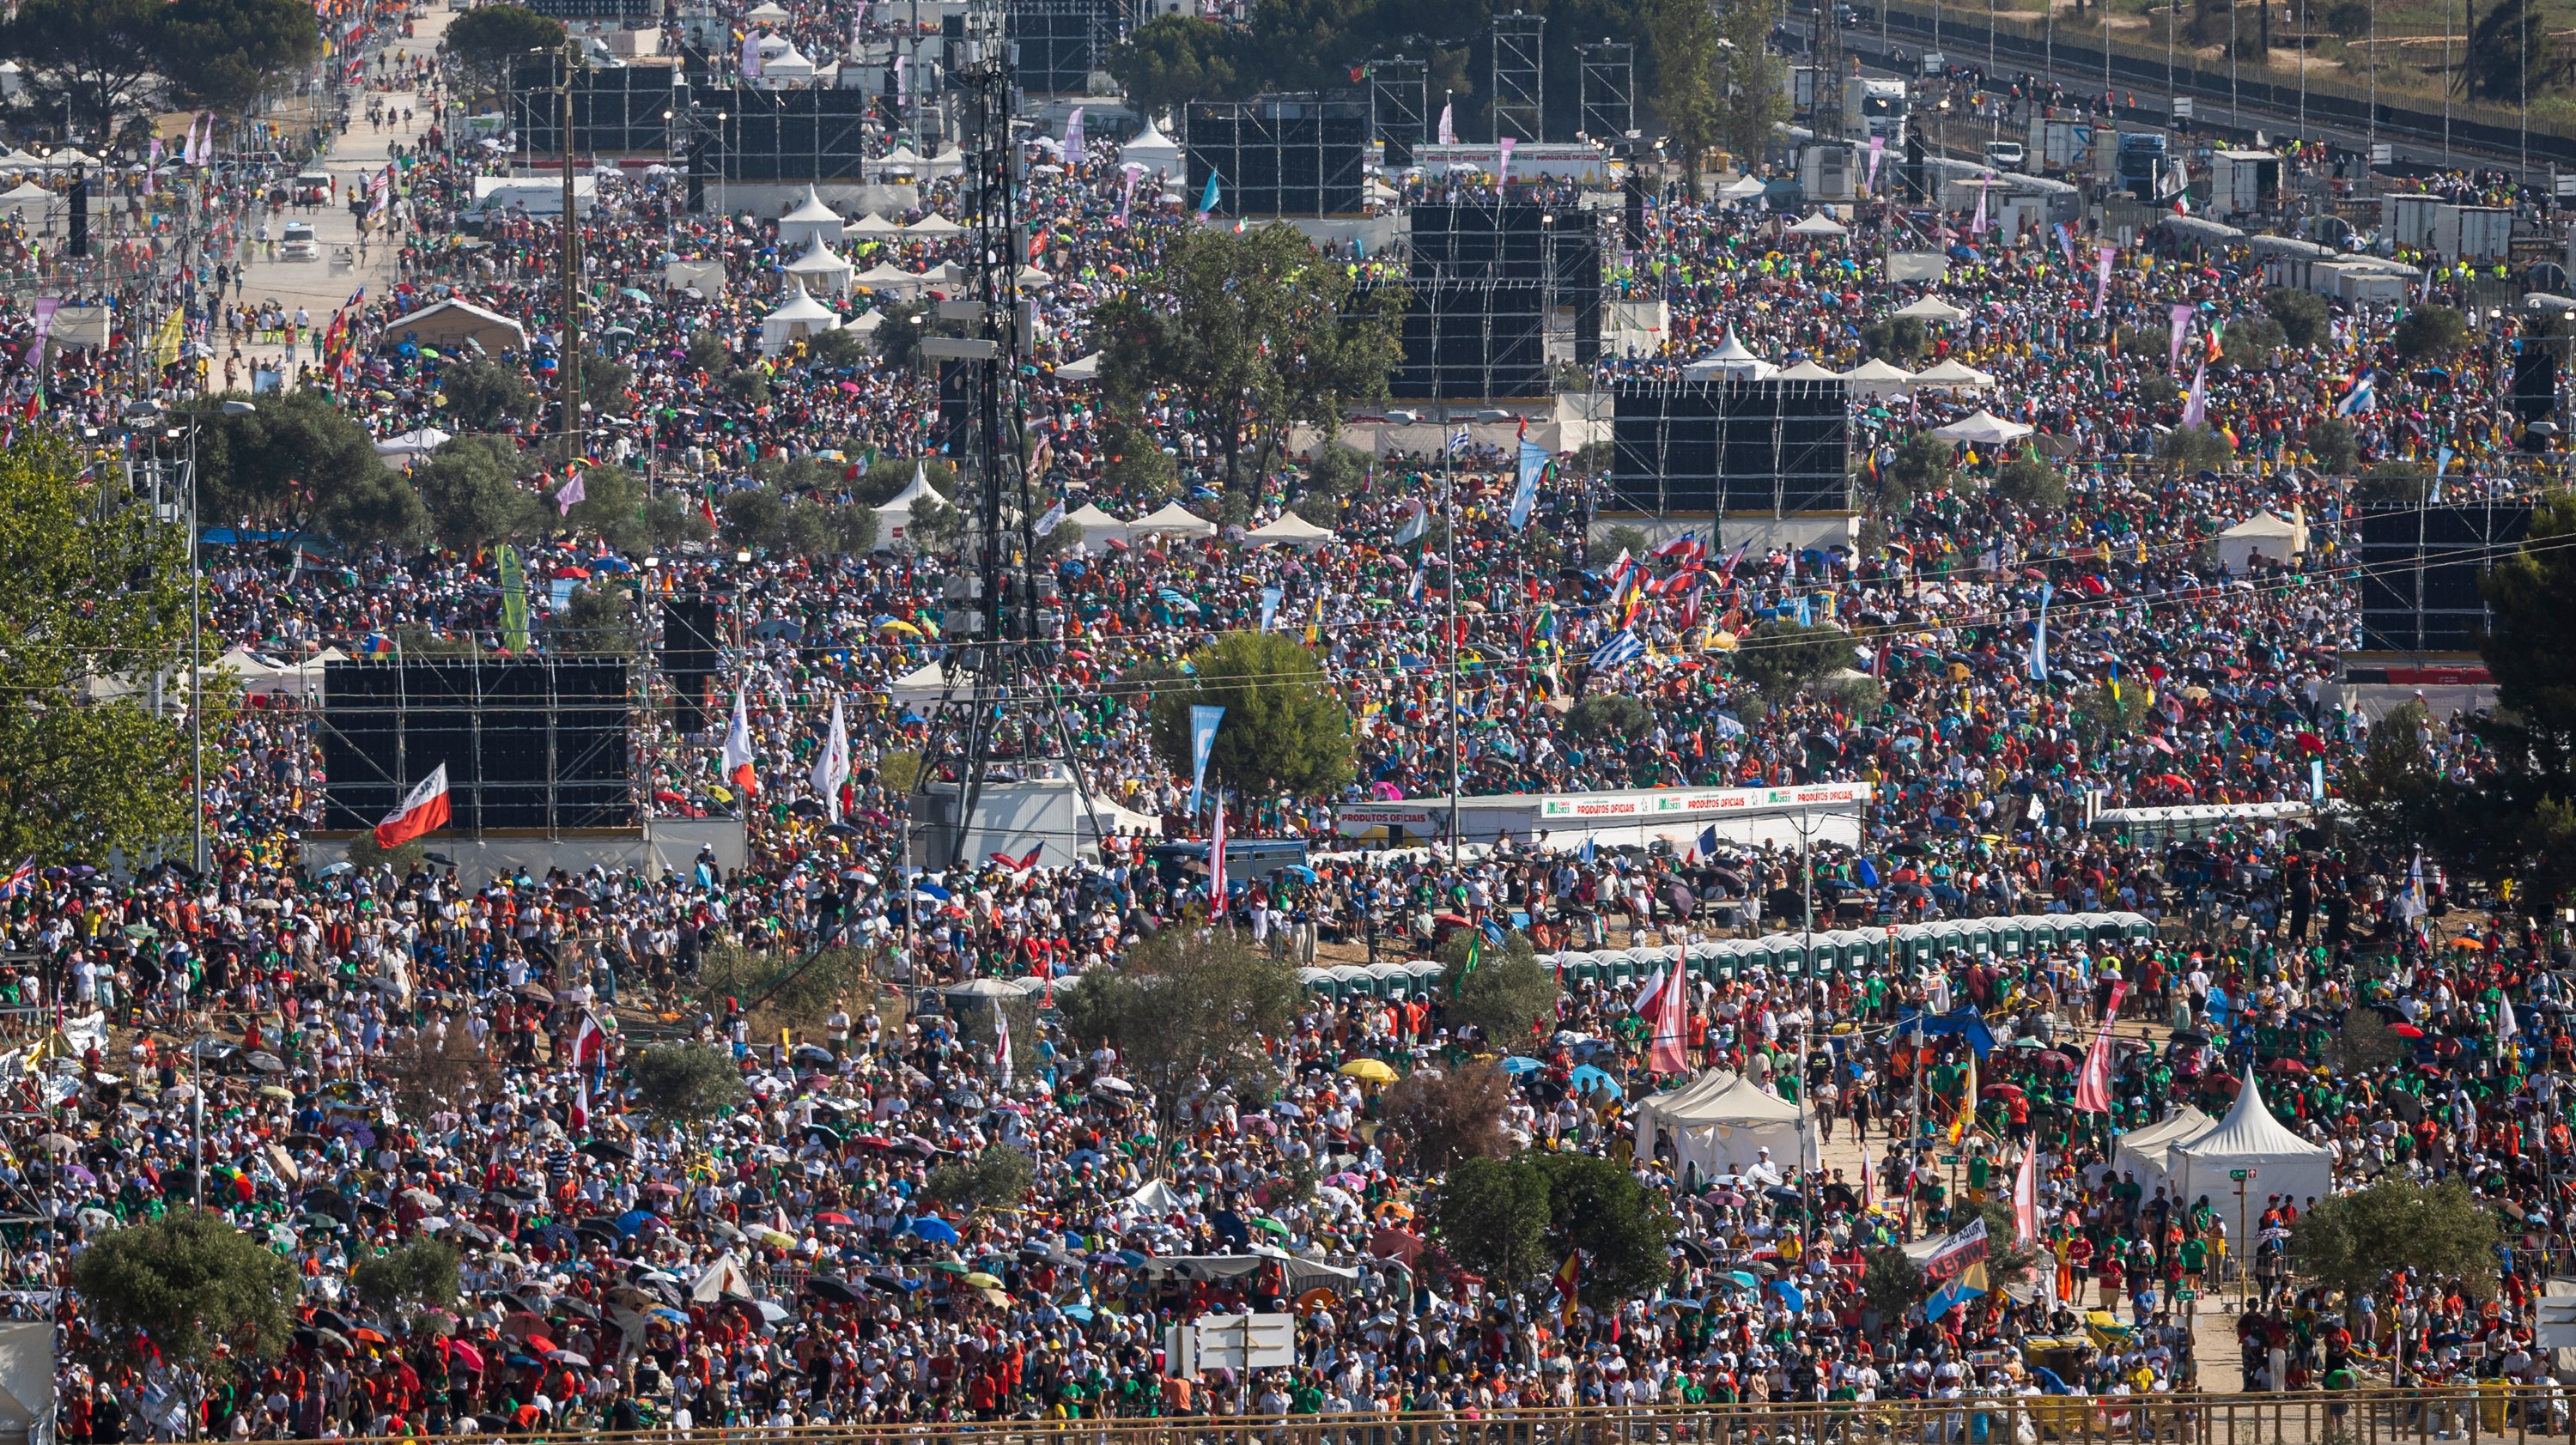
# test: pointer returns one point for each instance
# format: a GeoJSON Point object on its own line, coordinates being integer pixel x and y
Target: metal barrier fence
{"type": "Point", "coordinates": [2494, 1412]}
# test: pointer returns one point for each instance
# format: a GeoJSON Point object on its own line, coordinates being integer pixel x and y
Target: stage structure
{"type": "Point", "coordinates": [535, 744]}
{"type": "Point", "coordinates": [1278, 155]}
{"type": "Point", "coordinates": [1519, 76]}
{"type": "Point", "coordinates": [2420, 570]}
{"type": "Point", "coordinates": [1708, 450]}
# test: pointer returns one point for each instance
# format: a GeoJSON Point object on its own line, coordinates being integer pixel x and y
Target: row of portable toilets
{"type": "Point", "coordinates": [1850, 950]}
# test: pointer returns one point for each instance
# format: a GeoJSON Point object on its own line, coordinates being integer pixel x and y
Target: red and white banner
{"type": "Point", "coordinates": [2093, 1085]}
{"type": "Point", "coordinates": [425, 811]}
{"type": "Point", "coordinates": [1669, 1055]}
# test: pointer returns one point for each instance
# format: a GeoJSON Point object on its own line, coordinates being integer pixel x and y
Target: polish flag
{"type": "Point", "coordinates": [737, 749]}
{"type": "Point", "coordinates": [424, 811]}
{"type": "Point", "coordinates": [1216, 865]}
{"type": "Point", "coordinates": [589, 1040]}
{"type": "Point", "coordinates": [2093, 1082]}
{"type": "Point", "coordinates": [1002, 1050]}
{"type": "Point", "coordinates": [1672, 1026]}
{"type": "Point", "coordinates": [580, 1111]}
{"type": "Point", "coordinates": [2026, 1197]}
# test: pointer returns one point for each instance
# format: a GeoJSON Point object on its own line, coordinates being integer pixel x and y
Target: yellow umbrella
{"type": "Point", "coordinates": [980, 1280]}
{"type": "Point", "coordinates": [897, 624]}
{"type": "Point", "coordinates": [1374, 1071]}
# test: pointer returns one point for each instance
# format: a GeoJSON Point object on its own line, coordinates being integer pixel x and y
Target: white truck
{"type": "Point", "coordinates": [1875, 108]}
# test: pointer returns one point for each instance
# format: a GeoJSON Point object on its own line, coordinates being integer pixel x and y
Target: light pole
{"type": "Point", "coordinates": [196, 623]}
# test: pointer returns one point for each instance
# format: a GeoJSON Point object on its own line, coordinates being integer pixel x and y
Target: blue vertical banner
{"type": "Point", "coordinates": [1270, 597]}
{"type": "Point", "coordinates": [2039, 636]}
{"type": "Point", "coordinates": [1203, 721]}
{"type": "Point", "coordinates": [1533, 463]}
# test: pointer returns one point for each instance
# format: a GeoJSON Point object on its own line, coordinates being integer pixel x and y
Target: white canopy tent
{"type": "Point", "coordinates": [1723, 1128]}
{"type": "Point", "coordinates": [1742, 188]}
{"type": "Point", "coordinates": [894, 514]}
{"type": "Point", "coordinates": [1153, 150]}
{"type": "Point", "coordinates": [811, 221]}
{"type": "Point", "coordinates": [1172, 517]}
{"type": "Point", "coordinates": [885, 276]}
{"type": "Point", "coordinates": [1081, 368]}
{"type": "Point", "coordinates": [1983, 429]}
{"type": "Point", "coordinates": [1819, 224]}
{"type": "Point", "coordinates": [416, 442]}
{"type": "Point", "coordinates": [2274, 536]}
{"type": "Point", "coordinates": [2250, 1138]}
{"type": "Point", "coordinates": [1098, 525]}
{"type": "Point", "coordinates": [1729, 359]}
{"type": "Point", "coordinates": [802, 317]}
{"type": "Point", "coordinates": [1954, 374]}
{"type": "Point", "coordinates": [871, 227]}
{"type": "Point", "coordinates": [1930, 308]}
{"type": "Point", "coordinates": [920, 689]}
{"type": "Point", "coordinates": [1290, 530]}
{"type": "Point", "coordinates": [1809, 371]}
{"type": "Point", "coordinates": [934, 226]}
{"type": "Point", "coordinates": [2142, 1151]}
{"type": "Point", "coordinates": [1877, 378]}
{"type": "Point", "coordinates": [819, 270]}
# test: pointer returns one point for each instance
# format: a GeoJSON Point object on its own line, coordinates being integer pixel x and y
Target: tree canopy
{"type": "Point", "coordinates": [490, 39]}
{"type": "Point", "coordinates": [224, 54]}
{"type": "Point", "coordinates": [1179, 1004]}
{"type": "Point", "coordinates": [93, 595]}
{"type": "Point", "coordinates": [1256, 332]}
{"type": "Point", "coordinates": [2350, 1242]}
{"type": "Point", "coordinates": [1517, 1219]}
{"type": "Point", "coordinates": [1284, 727]}
{"type": "Point", "coordinates": [180, 1285]}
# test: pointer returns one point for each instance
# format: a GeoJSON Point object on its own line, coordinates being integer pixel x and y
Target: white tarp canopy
{"type": "Point", "coordinates": [802, 317]}
{"type": "Point", "coordinates": [1153, 150]}
{"type": "Point", "coordinates": [1723, 1127]}
{"type": "Point", "coordinates": [1098, 526]}
{"type": "Point", "coordinates": [1081, 368]}
{"type": "Point", "coordinates": [1290, 530]}
{"type": "Point", "coordinates": [1808, 370]}
{"type": "Point", "coordinates": [820, 269]}
{"type": "Point", "coordinates": [886, 276]}
{"type": "Point", "coordinates": [1931, 308]}
{"type": "Point", "coordinates": [2275, 536]}
{"type": "Point", "coordinates": [1156, 1197]}
{"type": "Point", "coordinates": [1173, 517]}
{"type": "Point", "coordinates": [1742, 188]}
{"type": "Point", "coordinates": [1954, 374]}
{"type": "Point", "coordinates": [707, 276]}
{"type": "Point", "coordinates": [871, 227]}
{"type": "Point", "coordinates": [2142, 1151]}
{"type": "Point", "coordinates": [934, 226]}
{"type": "Point", "coordinates": [2249, 1138]}
{"type": "Point", "coordinates": [811, 221]}
{"type": "Point", "coordinates": [894, 514]}
{"type": "Point", "coordinates": [920, 689]}
{"type": "Point", "coordinates": [414, 442]}
{"type": "Point", "coordinates": [1983, 429]}
{"type": "Point", "coordinates": [1820, 224]}
{"type": "Point", "coordinates": [1729, 359]}
{"type": "Point", "coordinates": [1878, 378]}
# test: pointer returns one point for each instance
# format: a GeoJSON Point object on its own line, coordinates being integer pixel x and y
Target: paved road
{"type": "Point", "coordinates": [321, 286]}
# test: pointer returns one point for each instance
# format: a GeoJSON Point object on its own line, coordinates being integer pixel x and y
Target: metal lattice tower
{"type": "Point", "coordinates": [1825, 116]}
{"type": "Point", "coordinates": [1520, 76]}
{"type": "Point", "coordinates": [1609, 75]}
{"type": "Point", "coordinates": [1399, 92]}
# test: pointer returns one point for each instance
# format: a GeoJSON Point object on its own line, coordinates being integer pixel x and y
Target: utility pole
{"type": "Point", "coordinates": [568, 363]}
{"type": "Point", "coordinates": [1449, 565]}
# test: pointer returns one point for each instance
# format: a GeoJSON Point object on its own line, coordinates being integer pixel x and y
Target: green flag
{"type": "Point", "coordinates": [514, 601]}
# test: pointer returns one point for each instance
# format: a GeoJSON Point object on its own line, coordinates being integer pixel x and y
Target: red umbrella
{"type": "Point", "coordinates": [2285, 1066]}
{"type": "Point", "coordinates": [2406, 1031]}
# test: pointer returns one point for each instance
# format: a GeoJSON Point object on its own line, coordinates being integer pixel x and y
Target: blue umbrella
{"type": "Point", "coordinates": [1517, 1064]}
{"type": "Point", "coordinates": [1590, 1079]}
{"type": "Point", "coordinates": [937, 1231]}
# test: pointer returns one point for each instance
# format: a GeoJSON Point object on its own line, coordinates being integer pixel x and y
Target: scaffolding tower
{"type": "Point", "coordinates": [1609, 75]}
{"type": "Point", "coordinates": [1399, 93]}
{"type": "Point", "coordinates": [1520, 77]}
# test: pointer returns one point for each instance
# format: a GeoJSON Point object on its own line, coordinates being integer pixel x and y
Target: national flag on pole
{"type": "Point", "coordinates": [737, 761]}
{"type": "Point", "coordinates": [2093, 1081]}
{"type": "Point", "coordinates": [1021, 864]}
{"type": "Point", "coordinates": [1667, 1054]}
{"type": "Point", "coordinates": [1569, 1287]}
{"type": "Point", "coordinates": [579, 1113]}
{"type": "Point", "coordinates": [589, 1040]}
{"type": "Point", "coordinates": [832, 763]}
{"type": "Point", "coordinates": [423, 810]}
{"type": "Point", "coordinates": [1002, 1036]}
{"type": "Point", "coordinates": [1208, 197]}
{"type": "Point", "coordinates": [1216, 862]}
{"type": "Point", "coordinates": [2358, 399]}
{"type": "Point", "coordinates": [1414, 526]}
{"type": "Point", "coordinates": [1622, 646]}
{"type": "Point", "coordinates": [1050, 519]}
{"type": "Point", "coordinates": [1448, 128]}
{"type": "Point", "coordinates": [2195, 407]}
{"type": "Point", "coordinates": [20, 882]}
{"type": "Point", "coordinates": [572, 493]}
{"type": "Point", "coordinates": [2026, 1197]}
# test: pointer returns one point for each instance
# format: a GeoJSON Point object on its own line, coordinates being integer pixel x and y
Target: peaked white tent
{"type": "Point", "coordinates": [1984, 429]}
{"type": "Point", "coordinates": [885, 276]}
{"type": "Point", "coordinates": [1098, 526]}
{"type": "Point", "coordinates": [934, 226]}
{"type": "Point", "coordinates": [1172, 517]}
{"type": "Point", "coordinates": [1730, 359]}
{"type": "Point", "coordinates": [819, 270]}
{"type": "Point", "coordinates": [1878, 378]}
{"type": "Point", "coordinates": [1723, 1129]}
{"type": "Point", "coordinates": [894, 514]}
{"type": "Point", "coordinates": [2142, 1151]}
{"type": "Point", "coordinates": [1153, 150]}
{"type": "Point", "coordinates": [416, 442]}
{"type": "Point", "coordinates": [920, 689]}
{"type": "Point", "coordinates": [1820, 224]}
{"type": "Point", "coordinates": [1931, 308]}
{"type": "Point", "coordinates": [800, 318]}
{"type": "Point", "coordinates": [1081, 368]}
{"type": "Point", "coordinates": [810, 221]}
{"type": "Point", "coordinates": [2250, 1138]}
{"type": "Point", "coordinates": [1290, 530]}
{"type": "Point", "coordinates": [1742, 188]}
{"type": "Point", "coordinates": [1955, 374]}
{"type": "Point", "coordinates": [1156, 1197]}
{"type": "Point", "coordinates": [1809, 371]}
{"type": "Point", "coordinates": [871, 227]}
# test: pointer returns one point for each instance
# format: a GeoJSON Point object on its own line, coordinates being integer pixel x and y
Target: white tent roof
{"type": "Point", "coordinates": [1810, 371]}
{"type": "Point", "coordinates": [414, 442]}
{"type": "Point", "coordinates": [1290, 530]}
{"type": "Point", "coordinates": [1742, 188]}
{"type": "Point", "coordinates": [1081, 368]}
{"type": "Point", "coordinates": [802, 307]}
{"type": "Point", "coordinates": [2250, 1138]}
{"type": "Point", "coordinates": [1982, 429]}
{"type": "Point", "coordinates": [2142, 1151]}
{"type": "Point", "coordinates": [1953, 373]}
{"type": "Point", "coordinates": [818, 260]}
{"type": "Point", "coordinates": [884, 274]}
{"type": "Point", "coordinates": [26, 192]}
{"type": "Point", "coordinates": [1096, 519]}
{"type": "Point", "coordinates": [900, 504]}
{"type": "Point", "coordinates": [1723, 1122]}
{"type": "Point", "coordinates": [1730, 359]}
{"type": "Point", "coordinates": [872, 227]}
{"type": "Point", "coordinates": [924, 684]}
{"type": "Point", "coordinates": [901, 155]}
{"type": "Point", "coordinates": [1931, 308]}
{"type": "Point", "coordinates": [934, 226]}
{"type": "Point", "coordinates": [1173, 517]}
{"type": "Point", "coordinates": [1156, 1197]}
{"type": "Point", "coordinates": [1875, 372]}
{"type": "Point", "coordinates": [1151, 149]}
{"type": "Point", "coordinates": [1820, 224]}
{"type": "Point", "coordinates": [2264, 524]}
{"type": "Point", "coordinates": [812, 209]}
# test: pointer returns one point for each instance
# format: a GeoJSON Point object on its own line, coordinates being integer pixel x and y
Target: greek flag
{"type": "Point", "coordinates": [1621, 646]}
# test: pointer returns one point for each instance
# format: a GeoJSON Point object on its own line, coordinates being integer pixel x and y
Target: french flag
{"type": "Point", "coordinates": [424, 811]}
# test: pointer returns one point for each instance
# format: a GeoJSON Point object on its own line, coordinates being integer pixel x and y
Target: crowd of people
{"type": "Point", "coordinates": [344, 1060]}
